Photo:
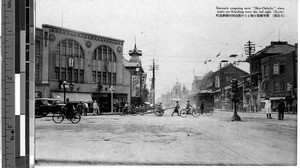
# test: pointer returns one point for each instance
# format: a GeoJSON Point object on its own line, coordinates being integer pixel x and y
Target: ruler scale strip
{"type": "Point", "coordinates": [18, 83]}
{"type": "Point", "coordinates": [8, 81]}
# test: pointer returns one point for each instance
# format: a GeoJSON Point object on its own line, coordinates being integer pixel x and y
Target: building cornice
{"type": "Point", "coordinates": [75, 33]}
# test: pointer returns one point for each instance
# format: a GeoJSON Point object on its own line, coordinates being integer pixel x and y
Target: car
{"type": "Point", "coordinates": [44, 106]}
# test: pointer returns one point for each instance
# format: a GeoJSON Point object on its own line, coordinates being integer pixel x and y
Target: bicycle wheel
{"type": "Point", "coordinates": [58, 118]}
{"type": "Point", "coordinates": [183, 113]}
{"type": "Point", "coordinates": [195, 113]}
{"type": "Point", "coordinates": [76, 118]}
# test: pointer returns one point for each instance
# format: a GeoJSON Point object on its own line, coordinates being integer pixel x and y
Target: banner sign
{"type": "Point", "coordinates": [135, 86]}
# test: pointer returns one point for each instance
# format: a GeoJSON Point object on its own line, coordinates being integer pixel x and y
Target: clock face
{"type": "Point", "coordinates": [119, 49]}
{"type": "Point", "coordinates": [88, 44]}
{"type": "Point", "coordinates": [51, 37]}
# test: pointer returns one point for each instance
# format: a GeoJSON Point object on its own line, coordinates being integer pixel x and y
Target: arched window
{"type": "Point", "coordinates": [69, 48]}
{"type": "Point", "coordinates": [217, 81]}
{"type": "Point", "coordinates": [104, 53]}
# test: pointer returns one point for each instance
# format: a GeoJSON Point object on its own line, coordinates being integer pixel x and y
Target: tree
{"type": "Point", "coordinates": [145, 94]}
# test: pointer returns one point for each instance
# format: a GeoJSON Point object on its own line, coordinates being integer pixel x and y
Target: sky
{"type": "Point", "coordinates": [179, 34]}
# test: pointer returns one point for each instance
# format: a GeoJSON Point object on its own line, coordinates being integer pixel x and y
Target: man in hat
{"type": "Point", "coordinates": [281, 108]}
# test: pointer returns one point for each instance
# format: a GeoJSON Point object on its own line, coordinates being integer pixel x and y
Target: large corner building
{"type": "Point", "coordinates": [87, 64]}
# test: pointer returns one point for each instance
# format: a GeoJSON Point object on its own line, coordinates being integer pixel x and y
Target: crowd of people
{"type": "Point", "coordinates": [83, 108]}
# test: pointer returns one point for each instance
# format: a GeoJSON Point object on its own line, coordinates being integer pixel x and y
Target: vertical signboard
{"type": "Point", "coordinates": [144, 76]}
{"type": "Point", "coordinates": [135, 86]}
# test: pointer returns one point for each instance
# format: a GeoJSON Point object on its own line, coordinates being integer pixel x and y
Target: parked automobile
{"type": "Point", "coordinates": [44, 106]}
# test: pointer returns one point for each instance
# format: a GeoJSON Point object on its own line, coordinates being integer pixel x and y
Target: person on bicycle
{"type": "Point", "coordinates": [188, 105]}
{"type": "Point", "coordinates": [176, 110]}
{"type": "Point", "coordinates": [69, 108]}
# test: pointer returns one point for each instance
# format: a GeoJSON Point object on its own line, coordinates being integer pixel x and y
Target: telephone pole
{"type": "Point", "coordinates": [153, 81]}
{"type": "Point", "coordinates": [250, 49]}
{"type": "Point", "coordinates": [152, 68]}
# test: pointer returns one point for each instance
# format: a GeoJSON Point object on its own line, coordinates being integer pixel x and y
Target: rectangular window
{"type": "Point", "coordinates": [81, 54]}
{"type": "Point", "coordinates": [114, 80]}
{"type": "Point", "coordinates": [70, 75]}
{"type": "Point", "coordinates": [104, 78]}
{"type": "Point", "coordinates": [114, 57]}
{"type": "Point", "coordinates": [81, 76]}
{"type": "Point", "coordinates": [63, 74]}
{"type": "Point", "coordinates": [99, 77]}
{"type": "Point", "coordinates": [267, 85]}
{"type": "Point", "coordinates": [76, 50]}
{"type": "Point", "coordinates": [109, 55]}
{"type": "Point", "coordinates": [276, 68]}
{"type": "Point", "coordinates": [104, 53]}
{"type": "Point", "coordinates": [63, 49]}
{"type": "Point", "coordinates": [266, 71]}
{"type": "Point", "coordinates": [109, 79]}
{"type": "Point", "coordinates": [100, 53]}
{"type": "Point", "coordinates": [70, 49]}
{"type": "Point", "coordinates": [56, 72]}
{"type": "Point", "coordinates": [282, 69]}
{"type": "Point", "coordinates": [276, 86]}
{"type": "Point", "coordinates": [76, 75]}
{"type": "Point", "coordinates": [94, 76]}
{"type": "Point", "coordinates": [282, 86]}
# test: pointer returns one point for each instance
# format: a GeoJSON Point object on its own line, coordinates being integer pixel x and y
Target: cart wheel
{"type": "Point", "coordinates": [159, 113]}
{"type": "Point", "coordinates": [58, 118]}
{"type": "Point", "coordinates": [195, 113]}
{"type": "Point", "coordinates": [209, 113]}
{"type": "Point", "coordinates": [183, 113]}
{"type": "Point", "coordinates": [76, 118]}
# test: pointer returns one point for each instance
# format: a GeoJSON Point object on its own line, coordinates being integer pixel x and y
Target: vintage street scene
{"type": "Point", "coordinates": [165, 82]}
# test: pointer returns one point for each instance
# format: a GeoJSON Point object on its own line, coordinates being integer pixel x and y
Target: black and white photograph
{"type": "Point", "coordinates": [151, 83]}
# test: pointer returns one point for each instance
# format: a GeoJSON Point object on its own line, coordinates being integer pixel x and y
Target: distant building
{"type": "Point", "coordinates": [202, 82]}
{"type": "Point", "coordinates": [219, 83]}
{"type": "Point", "coordinates": [273, 71]}
{"type": "Point", "coordinates": [88, 63]}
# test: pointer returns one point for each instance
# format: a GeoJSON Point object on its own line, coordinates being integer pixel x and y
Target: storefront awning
{"type": "Point", "coordinates": [277, 98]}
{"type": "Point", "coordinates": [73, 97]}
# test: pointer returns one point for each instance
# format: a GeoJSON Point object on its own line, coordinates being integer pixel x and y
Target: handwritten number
{"type": "Point", "coordinates": [9, 4]}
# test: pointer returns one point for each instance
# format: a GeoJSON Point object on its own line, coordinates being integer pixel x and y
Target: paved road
{"type": "Point", "coordinates": [167, 140]}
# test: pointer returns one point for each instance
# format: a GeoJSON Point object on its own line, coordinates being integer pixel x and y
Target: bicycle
{"type": "Point", "coordinates": [193, 112]}
{"type": "Point", "coordinates": [74, 117]}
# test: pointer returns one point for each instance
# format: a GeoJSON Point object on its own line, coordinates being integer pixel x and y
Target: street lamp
{"type": "Point", "coordinates": [111, 88]}
{"type": "Point", "coordinates": [234, 98]}
{"type": "Point", "coordinates": [64, 86]}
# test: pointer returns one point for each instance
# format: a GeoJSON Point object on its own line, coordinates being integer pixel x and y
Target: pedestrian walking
{"type": "Point", "coordinates": [202, 107]}
{"type": "Point", "coordinates": [176, 109]}
{"type": "Point", "coordinates": [95, 107]}
{"type": "Point", "coordinates": [98, 108]}
{"type": "Point", "coordinates": [79, 108]}
{"type": "Point", "coordinates": [85, 108]}
{"type": "Point", "coordinates": [281, 108]}
{"type": "Point", "coordinates": [268, 108]}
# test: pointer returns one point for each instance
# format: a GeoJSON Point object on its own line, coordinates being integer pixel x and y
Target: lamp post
{"type": "Point", "coordinates": [234, 98]}
{"type": "Point", "coordinates": [64, 86]}
{"type": "Point", "coordinates": [111, 88]}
